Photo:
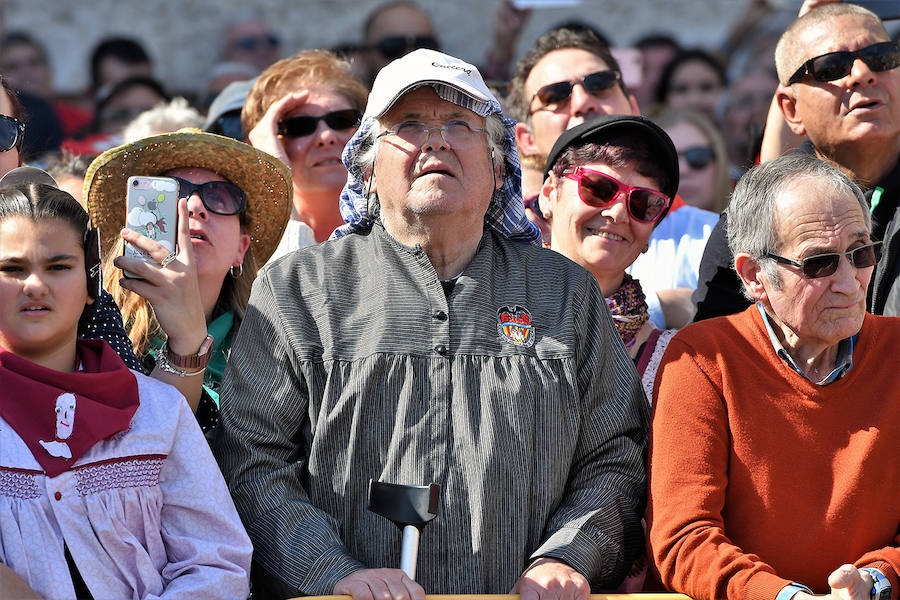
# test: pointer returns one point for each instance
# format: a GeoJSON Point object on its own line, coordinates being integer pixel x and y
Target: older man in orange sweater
{"type": "Point", "coordinates": [776, 432]}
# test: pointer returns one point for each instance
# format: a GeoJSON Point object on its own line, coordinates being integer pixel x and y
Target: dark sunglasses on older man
{"type": "Point", "coordinates": [220, 197]}
{"type": "Point", "coordinates": [823, 265]}
{"type": "Point", "coordinates": [395, 46]}
{"type": "Point", "coordinates": [304, 125]}
{"type": "Point", "coordinates": [599, 189]}
{"type": "Point", "coordinates": [12, 132]}
{"type": "Point", "coordinates": [594, 83]}
{"type": "Point", "coordinates": [882, 56]}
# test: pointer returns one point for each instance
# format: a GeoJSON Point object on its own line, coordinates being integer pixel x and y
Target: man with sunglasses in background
{"type": "Point", "coordinates": [570, 77]}
{"type": "Point", "coordinates": [250, 41]}
{"type": "Point", "coordinates": [434, 341]}
{"type": "Point", "coordinates": [840, 87]}
{"type": "Point", "coordinates": [773, 451]}
{"type": "Point", "coordinates": [393, 30]}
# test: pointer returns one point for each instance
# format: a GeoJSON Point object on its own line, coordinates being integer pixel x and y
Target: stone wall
{"type": "Point", "coordinates": [184, 37]}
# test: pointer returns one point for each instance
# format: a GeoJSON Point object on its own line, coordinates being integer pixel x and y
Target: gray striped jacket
{"type": "Point", "coordinates": [352, 364]}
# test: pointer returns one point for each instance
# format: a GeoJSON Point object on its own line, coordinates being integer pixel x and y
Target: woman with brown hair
{"type": "Point", "coordinates": [303, 110]}
{"type": "Point", "coordinates": [182, 315]}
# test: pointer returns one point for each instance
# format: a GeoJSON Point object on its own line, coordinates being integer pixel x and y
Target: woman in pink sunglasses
{"type": "Point", "coordinates": [607, 184]}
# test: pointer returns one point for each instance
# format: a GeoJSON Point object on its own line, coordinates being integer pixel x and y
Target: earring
{"type": "Point", "coordinates": [240, 271]}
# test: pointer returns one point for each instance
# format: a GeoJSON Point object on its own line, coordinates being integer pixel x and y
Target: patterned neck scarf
{"type": "Point", "coordinates": [628, 308]}
{"type": "Point", "coordinates": [60, 416]}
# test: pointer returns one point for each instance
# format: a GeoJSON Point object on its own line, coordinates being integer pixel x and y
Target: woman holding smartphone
{"type": "Point", "coordinates": [183, 312]}
{"type": "Point", "coordinates": [99, 465]}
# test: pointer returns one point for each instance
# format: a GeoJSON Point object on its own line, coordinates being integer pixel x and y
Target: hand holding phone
{"type": "Point", "coordinates": [151, 209]}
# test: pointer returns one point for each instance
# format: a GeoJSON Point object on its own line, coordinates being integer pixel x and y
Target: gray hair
{"type": "Point", "coordinates": [752, 217]}
{"type": "Point", "coordinates": [364, 160]}
{"type": "Point", "coordinates": [162, 118]}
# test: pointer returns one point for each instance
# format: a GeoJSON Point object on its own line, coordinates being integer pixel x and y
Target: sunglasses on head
{"type": "Point", "coordinates": [882, 56]}
{"type": "Point", "coordinates": [599, 189]}
{"type": "Point", "coordinates": [220, 197]}
{"type": "Point", "coordinates": [593, 83]}
{"type": "Point", "coordinates": [395, 46]}
{"type": "Point", "coordinates": [823, 265]}
{"type": "Point", "coordinates": [338, 120]}
{"type": "Point", "coordinates": [698, 157]}
{"type": "Point", "coordinates": [12, 132]}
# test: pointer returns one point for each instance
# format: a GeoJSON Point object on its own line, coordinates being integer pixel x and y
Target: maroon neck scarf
{"type": "Point", "coordinates": [60, 416]}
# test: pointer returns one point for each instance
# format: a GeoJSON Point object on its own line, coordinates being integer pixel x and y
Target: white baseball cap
{"type": "Point", "coordinates": [453, 79]}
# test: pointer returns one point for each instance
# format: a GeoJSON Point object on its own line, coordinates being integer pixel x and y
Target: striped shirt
{"type": "Point", "coordinates": [351, 364]}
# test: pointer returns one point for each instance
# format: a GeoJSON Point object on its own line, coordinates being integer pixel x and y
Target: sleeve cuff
{"type": "Point", "coordinates": [583, 554]}
{"type": "Point", "coordinates": [788, 591]}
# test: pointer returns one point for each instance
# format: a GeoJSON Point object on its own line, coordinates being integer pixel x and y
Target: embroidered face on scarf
{"type": "Point", "coordinates": [65, 415]}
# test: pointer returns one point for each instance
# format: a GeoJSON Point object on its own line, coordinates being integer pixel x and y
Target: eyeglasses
{"type": "Point", "coordinates": [823, 265]}
{"type": "Point", "coordinates": [395, 46]}
{"type": "Point", "coordinates": [252, 43]}
{"type": "Point", "coordinates": [229, 125]}
{"type": "Point", "coordinates": [12, 132]}
{"type": "Point", "coordinates": [882, 56]}
{"type": "Point", "coordinates": [220, 197]}
{"type": "Point", "coordinates": [593, 83]}
{"type": "Point", "coordinates": [454, 133]}
{"type": "Point", "coordinates": [304, 125]}
{"type": "Point", "coordinates": [698, 157]}
{"type": "Point", "coordinates": [599, 189]}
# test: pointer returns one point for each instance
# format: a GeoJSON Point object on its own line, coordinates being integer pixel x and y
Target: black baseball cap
{"type": "Point", "coordinates": [607, 126]}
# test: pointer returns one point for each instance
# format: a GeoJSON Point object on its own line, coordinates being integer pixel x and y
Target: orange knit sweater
{"type": "Point", "coordinates": [759, 477]}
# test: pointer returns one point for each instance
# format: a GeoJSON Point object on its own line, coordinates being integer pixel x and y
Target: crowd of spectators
{"type": "Point", "coordinates": [630, 308]}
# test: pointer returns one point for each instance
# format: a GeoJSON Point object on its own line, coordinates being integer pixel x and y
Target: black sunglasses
{"type": "Point", "coordinates": [12, 132]}
{"type": "Point", "coordinates": [882, 56]}
{"type": "Point", "coordinates": [228, 125]}
{"type": "Point", "coordinates": [220, 197]}
{"type": "Point", "coordinates": [823, 265]}
{"type": "Point", "coordinates": [395, 46]}
{"type": "Point", "coordinates": [594, 83]}
{"type": "Point", "coordinates": [338, 120]}
{"type": "Point", "coordinates": [698, 157]}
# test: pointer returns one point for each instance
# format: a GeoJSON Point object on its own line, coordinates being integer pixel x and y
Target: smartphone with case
{"type": "Point", "coordinates": [151, 209]}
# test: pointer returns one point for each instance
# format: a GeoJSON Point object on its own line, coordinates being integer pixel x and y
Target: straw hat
{"type": "Point", "coordinates": [266, 181]}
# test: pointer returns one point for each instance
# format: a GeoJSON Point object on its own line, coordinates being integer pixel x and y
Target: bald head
{"type": "Point", "coordinates": [790, 52]}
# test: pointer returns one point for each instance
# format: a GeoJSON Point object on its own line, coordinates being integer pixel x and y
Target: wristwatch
{"type": "Point", "coordinates": [881, 589]}
{"type": "Point", "coordinates": [198, 360]}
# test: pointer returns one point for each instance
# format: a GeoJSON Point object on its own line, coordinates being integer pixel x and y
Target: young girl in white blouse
{"type": "Point", "coordinates": [107, 486]}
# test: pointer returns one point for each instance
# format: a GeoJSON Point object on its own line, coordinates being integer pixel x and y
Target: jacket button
{"type": "Point", "coordinates": [440, 315]}
{"type": "Point", "coordinates": [441, 349]}
{"type": "Point", "coordinates": [58, 496]}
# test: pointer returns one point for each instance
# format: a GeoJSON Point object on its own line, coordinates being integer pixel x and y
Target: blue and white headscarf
{"type": "Point", "coordinates": [506, 212]}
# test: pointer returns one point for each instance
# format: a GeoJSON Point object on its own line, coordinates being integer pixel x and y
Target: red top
{"type": "Point", "coordinates": [758, 477]}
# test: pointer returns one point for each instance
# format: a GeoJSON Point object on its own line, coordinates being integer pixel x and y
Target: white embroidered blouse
{"type": "Point", "coordinates": [144, 515]}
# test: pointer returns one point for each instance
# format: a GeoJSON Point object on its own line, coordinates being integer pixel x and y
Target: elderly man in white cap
{"type": "Point", "coordinates": [434, 341]}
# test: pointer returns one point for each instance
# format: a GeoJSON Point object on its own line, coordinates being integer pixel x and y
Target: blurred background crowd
{"type": "Point", "coordinates": [86, 73]}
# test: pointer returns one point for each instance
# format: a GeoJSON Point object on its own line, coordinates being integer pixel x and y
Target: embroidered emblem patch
{"type": "Point", "coordinates": [514, 325]}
